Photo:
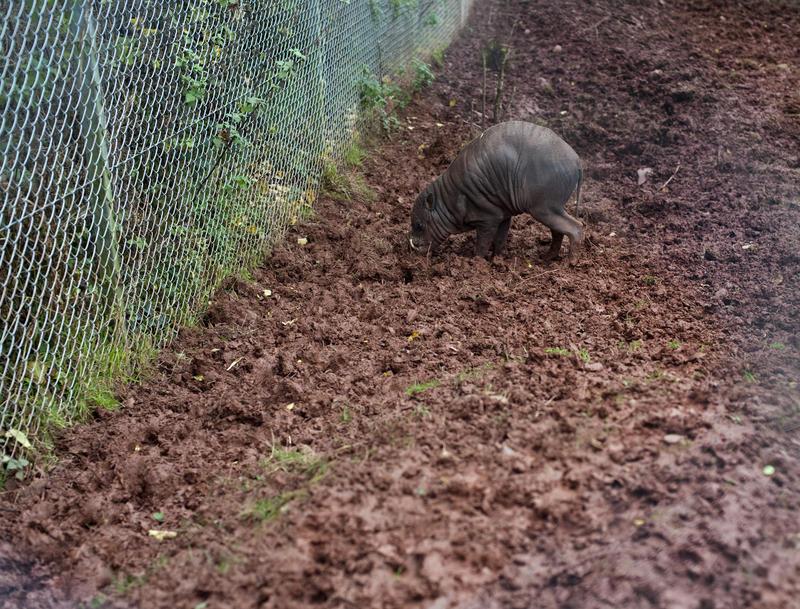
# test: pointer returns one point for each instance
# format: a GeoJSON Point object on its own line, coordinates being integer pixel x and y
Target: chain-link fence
{"type": "Point", "coordinates": [151, 148]}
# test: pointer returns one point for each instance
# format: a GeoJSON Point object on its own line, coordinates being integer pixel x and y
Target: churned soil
{"type": "Point", "coordinates": [360, 427]}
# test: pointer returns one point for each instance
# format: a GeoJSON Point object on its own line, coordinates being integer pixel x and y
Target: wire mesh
{"type": "Point", "coordinates": [151, 148]}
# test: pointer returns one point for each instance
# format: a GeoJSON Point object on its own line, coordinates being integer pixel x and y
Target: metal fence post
{"type": "Point", "coordinates": [99, 195]}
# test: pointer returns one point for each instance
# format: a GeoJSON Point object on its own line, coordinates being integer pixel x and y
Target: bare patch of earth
{"type": "Point", "coordinates": [382, 430]}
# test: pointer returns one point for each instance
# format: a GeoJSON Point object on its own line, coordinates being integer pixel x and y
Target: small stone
{"type": "Point", "coordinates": [508, 451]}
{"type": "Point", "coordinates": [673, 438]}
{"type": "Point", "coordinates": [557, 48]}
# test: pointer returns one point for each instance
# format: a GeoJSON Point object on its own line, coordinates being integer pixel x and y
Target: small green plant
{"type": "Point", "coordinates": [345, 181]}
{"type": "Point", "coordinates": [422, 412]}
{"type": "Point", "coordinates": [437, 57]}
{"type": "Point", "coordinates": [423, 76]}
{"type": "Point", "coordinates": [287, 67]}
{"type": "Point", "coordinates": [749, 376]}
{"type": "Point", "coordinates": [778, 346]}
{"type": "Point", "coordinates": [125, 582]}
{"type": "Point", "coordinates": [632, 346]}
{"type": "Point", "coordinates": [556, 351]}
{"type": "Point", "coordinates": [674, 344]}
{"type": "Point", "coordinates": [380, 100]}
{"type": "Point", "coordinates": [294, 460]}
{"type": "Point", "coordinates": [649, 280]}
{"type": "Point", "coordinates": [354, 155]}
{"type": "Point", "coordinates": [418, 387]}
{"type": "Point", "coordinates": [347, 415]}
{"type": "Point", "coordinates": [272, 507]}
{"type": "Point", "coordinates": [402, 6]}
{"type": "Point", "coordinates": [584, 355]}
{"type": "Point", "coordinates": [12, 467]}
{"type": "Point", "coordinates": [101, 600]}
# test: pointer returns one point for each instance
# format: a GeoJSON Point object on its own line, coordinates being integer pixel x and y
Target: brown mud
{"type": "Point", "coordinates": [359, 427]}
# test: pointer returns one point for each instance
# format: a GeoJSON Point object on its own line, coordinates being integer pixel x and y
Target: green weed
{"type": "Point", "coordinates": [345, 181]}
{"type": "Point", "coordinates": [125, 582]}
{"type": "Point", "coordinates": [418, 387]}
{"type": "Point", "coordinates": [632, 346]}
{"type": "Point", "coordinates": [556, 351]}
{"type": "Point", "coordinates": [293, 460]}
{"type": "Point", "coordinates": [12, 467]}
{"type": "Point", "coordinates": [422, 412]}
{"type": "Point", "coordinates": [437, 57]}
{"type": "Point", "coordinates": [380, 100]}
{"type": "Point", "coordinates": [354, 155]}
{"type": "Point", "coordinates": [423, 76]}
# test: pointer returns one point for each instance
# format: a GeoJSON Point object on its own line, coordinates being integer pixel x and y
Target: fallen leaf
{"type": "Point", "coordinates": [452, 103]}
{"type": "Point", "coordinates": [20, 437]}
{"type": "Point", "coordinates": [302, 240]}
{"type": "Point", "coordinates": [413, 336]}
{"type": "Point", "coordinates": [290, 406]}
{"type": "Point", "coordinates": [236, 361]}
{"type": "Point", "coordinates": [162, 535]}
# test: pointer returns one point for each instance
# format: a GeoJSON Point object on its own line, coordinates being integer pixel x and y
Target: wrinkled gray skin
{"type": "Point", "coordinates": [512, 168]}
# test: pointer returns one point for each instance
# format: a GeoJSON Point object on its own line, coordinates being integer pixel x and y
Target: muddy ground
{"type": "Point", "coordinates": [382, 430]}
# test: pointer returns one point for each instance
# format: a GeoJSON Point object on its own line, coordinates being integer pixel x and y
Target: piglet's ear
{"type": "Point", "coordinates": [430, 201]}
